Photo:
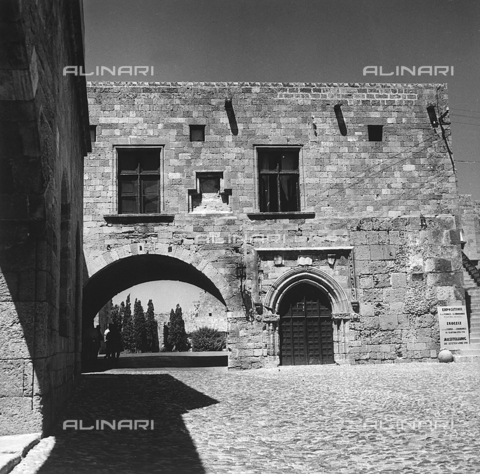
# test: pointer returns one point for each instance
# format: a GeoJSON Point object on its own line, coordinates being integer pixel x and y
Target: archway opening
{"type": "Point", "coordinates": [134, 326]}
{"type": "Point", "coordinates": [306, 327]}
{"type": "Point", "coordinates": [130, 271]}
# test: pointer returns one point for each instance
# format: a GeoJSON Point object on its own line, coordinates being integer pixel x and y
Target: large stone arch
{"type": "Point", "coordinates": [341, 305]}
{"type": "Point", "coordinates": [120, 268]}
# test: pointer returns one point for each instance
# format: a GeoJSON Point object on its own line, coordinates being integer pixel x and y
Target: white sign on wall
{"type": "Point", "coordinates": [453, 327]}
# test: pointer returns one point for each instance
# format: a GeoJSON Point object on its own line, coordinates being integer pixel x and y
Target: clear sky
{"type": "Point", "coordinates": [299, 40]}
{"type": "Point", "coordinates": [164, 294]}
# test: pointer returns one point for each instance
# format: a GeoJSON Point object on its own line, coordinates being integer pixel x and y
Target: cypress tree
{"type": "Point", "coordinates": [128, 332]}
{"type": "Point", "coordinates": [121, 314]}
{"type": "Point", "coordinates": [177, 337]}
{"type": "Point", "coordinates": [151, 328]}
{"type": "Point", "coordinates": [139, 324]}
{"type": "Point", "coordinates": [166, 327]}
{"type": "Point", "coordinates": [115, 316]}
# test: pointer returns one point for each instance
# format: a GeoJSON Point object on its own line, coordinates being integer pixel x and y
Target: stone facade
{"type": "Point", "coordinates": [368, 214]}
{"type": "Point", "coordinates": [207, 311]}
{"type": "Point", "coordinates": [44, 137]}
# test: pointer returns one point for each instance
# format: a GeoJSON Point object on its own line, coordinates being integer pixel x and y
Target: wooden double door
{"type": "Point", "coordinates": [306, 330]}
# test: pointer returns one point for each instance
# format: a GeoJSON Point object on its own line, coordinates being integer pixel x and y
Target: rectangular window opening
{"type": "Point", "coordinates": [279, 179]}
{"type": "Point", "coordinates": [93, 133]}
{"type": "Point", "coordinates": [139, 180]}
{"type": "Point", "coordinates": [375, 133]}
{"type": "Point", "coordinates": [197, 133]}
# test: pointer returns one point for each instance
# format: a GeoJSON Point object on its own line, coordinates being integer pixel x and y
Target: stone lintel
{"type": "Point", "coordinates": [138, 218]}
{"type": "Point", "coordinates": [260, 216]}
{"type": "Point", "coordinates": [344, 316]}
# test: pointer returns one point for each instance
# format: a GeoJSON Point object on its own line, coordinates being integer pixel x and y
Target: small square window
{"type": "Point", "coordinates": [209, 195]}
{"type": "Point", "coordinates": [93, 133]}
{"type": "Point", "coordinates": [197, 133]}
{"type": "Point", "coordinates": [210, 183]}
{"type": "Point", "coordinates": [375, 133]}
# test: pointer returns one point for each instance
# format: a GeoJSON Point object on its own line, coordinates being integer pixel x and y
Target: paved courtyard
{"type": "Point", "coordinates": [409, 418]}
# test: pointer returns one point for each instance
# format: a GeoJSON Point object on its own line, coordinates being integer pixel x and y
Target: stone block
{"type": "Point", "coordinates": [398, 280]}
{"type": "Point", "coordinates": [371, 322]}
{"type": "Point", "coordinates": [389, 252]}
{"type": "Point", "coordinates": [388, 321]}
{"type": "Point", "coordinates": [438, 265]}
{"type": "Point", "coordinates": [394, 237]}
{"type": "Point", "coordinates": [397, 307]}
{"type": "Point", "coordinates": [446, 293]}
{"type": "Point", "coordinates": [376, 252]}
{"type": "Point", "coordinates": [362, 267]}
{"type": "Point", "coordinates": [8, 286]}
{"type": "Point", "coordinates": [381, 280]}
{"type": "Point", "coordinates": [362, 252]}
{"type": "Point", "coordinates": [367, 309]}
{"type": "Point", "coordinates": [16, 330]}
{"type": "Point", "coordinates": [440, 279]}
{"type": "Point", "coordinates": [366, 281]}
{"type": "Point", "coordinates": [18, 417]}
{"type": "Point", "coordinates": [392, 295]}
{"type": "Point", "coordinates": [11, 378]}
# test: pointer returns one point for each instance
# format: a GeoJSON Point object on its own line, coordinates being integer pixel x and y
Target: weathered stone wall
{"type": "Point", "coordinates": [404, 269]}
{"type": "Point", "coordinates": [44, 137]}
{"type": "Point", "coordinates": [207, 311]}
{"type": "Point", "coordinates": [383, 208]}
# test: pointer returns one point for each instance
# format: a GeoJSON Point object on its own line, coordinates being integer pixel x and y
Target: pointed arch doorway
{"type": "Point", "coordinates": [306, 327]}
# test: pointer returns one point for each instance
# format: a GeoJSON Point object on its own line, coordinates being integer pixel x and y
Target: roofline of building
{"type": "Point", "coordinates": [386, 85]}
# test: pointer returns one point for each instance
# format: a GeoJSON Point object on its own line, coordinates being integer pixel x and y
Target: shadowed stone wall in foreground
{"type": "Point", "coordinates": [43, 139]}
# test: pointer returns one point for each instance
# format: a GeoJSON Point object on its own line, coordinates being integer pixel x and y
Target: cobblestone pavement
{"type": "Point", "coordinates": [409, 418]}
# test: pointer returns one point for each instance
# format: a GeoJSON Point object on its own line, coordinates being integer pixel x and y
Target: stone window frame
{"type": "Point", "coordinates": [194, 128]}
{"type": "Point", "coordinates": [261, 215]}
{"type": "Point", "coordinates": [128, 218]}
{"type": "Point", "coordinates": [141, 175]}
{"type": "Point", "coordinates": [93, 133]}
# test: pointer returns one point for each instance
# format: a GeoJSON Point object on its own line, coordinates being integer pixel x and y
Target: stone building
{"type": "Point", "coordinates": [324, 217]}
{"type": "Point", "coordinates": [43, 140]}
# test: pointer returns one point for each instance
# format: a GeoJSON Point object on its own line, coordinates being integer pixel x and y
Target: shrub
{"type": "Point", "coordinates": [208, 339]}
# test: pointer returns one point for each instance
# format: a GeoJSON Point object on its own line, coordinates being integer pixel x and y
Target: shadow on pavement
{"type": "Point", "coordinates": [167, 448]}
{"type": "Point", "coordinates": [160, 360]}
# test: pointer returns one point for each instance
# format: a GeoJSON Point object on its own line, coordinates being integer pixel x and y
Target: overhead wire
{"type": "Point", "coordinates": [466, 123]}
{"type": "Point", "coordinates": [396, 197]}
{"type": "Point", "coordinates": [386, 166]}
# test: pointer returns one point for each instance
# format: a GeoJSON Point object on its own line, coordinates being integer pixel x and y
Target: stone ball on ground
{"type": "Point", "coordinates": [445, 356]}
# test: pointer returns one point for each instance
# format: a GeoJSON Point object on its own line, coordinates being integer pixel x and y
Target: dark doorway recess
{"type": "Point", "coordinates": [306, 330]}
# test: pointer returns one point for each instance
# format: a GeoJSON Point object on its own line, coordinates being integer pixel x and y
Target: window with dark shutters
{"type": "Point", "coordinates": [139, 180]}
{"type": "Point", "coordinates": [279, 179]}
